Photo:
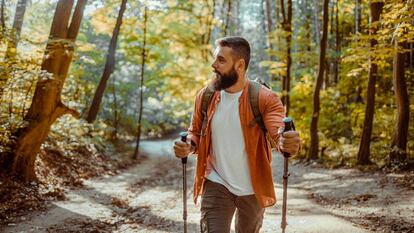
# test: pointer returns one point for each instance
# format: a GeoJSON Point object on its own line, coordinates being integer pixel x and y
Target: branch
{"type": "Point", "coordinates": [62, 109]}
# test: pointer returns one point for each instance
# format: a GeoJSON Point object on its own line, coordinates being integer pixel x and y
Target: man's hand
{"type": "Point", "coordinates": [182, 149]}
{"type": "Point", "coordinates": [289, 142]}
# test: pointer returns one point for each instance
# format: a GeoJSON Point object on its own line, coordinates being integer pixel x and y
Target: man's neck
{"type": "Point", "coordinates": [238, 86]}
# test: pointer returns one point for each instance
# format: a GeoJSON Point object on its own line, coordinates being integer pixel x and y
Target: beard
{"type": "Point", "coordinates": [225, 80]}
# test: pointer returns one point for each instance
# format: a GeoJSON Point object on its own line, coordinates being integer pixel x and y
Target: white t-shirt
{"type": "Point", "coordinates": [229, 163]}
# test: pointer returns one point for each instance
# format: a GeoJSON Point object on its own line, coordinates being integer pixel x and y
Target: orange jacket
{"type": "Point", "coordinates": [257, 147]}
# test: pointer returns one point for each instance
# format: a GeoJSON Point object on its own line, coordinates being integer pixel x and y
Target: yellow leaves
{"type": "Point", "coordinates": [172, 3]}
{"type": "Point", "coordinates": [101, 22]}
{"type": "Point", "coordinates": [84, 46]}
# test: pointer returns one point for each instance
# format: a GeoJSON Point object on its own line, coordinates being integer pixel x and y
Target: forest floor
{"type": "Point", "coordinates": [147, 197]}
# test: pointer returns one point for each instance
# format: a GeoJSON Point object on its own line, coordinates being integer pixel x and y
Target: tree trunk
{"type": "Point", "coordinates": [17, 28]}
{"type": "Point", "coordinates": [12, 43]}
{"type": "Point", "coordinates": [358, 16]}
{"type": "Point", "coordinates": [398, 153]}
{"type": "Point", "coordinates": [141, 94]}
{"type": "Point", "coordinates": [226, 26]}
{"type": "Point", "coordinates": [115, 111]}
{"type": "Point", "coordinates": [269, 29]}
{"type": "Point", "coordinates": [364, 151]}
{"type": "Point", "coordinates": [327, 71]}
{"type": "Point", "coordinates": [210, 22]}
{"type": "Point", "coordinates": [411, 58]}
{"type": "Point", "coordinates": [287, 27]}
{"type": "Point", "coordinates": [109, 67]}
{"type": "Point", "coordinates": [46, 105]}
{"type": "Point", "coordinates": [2, 19]}
{"type": "Point", "coordinates": [238, 21]}
{"type": "Point", "coordinates": [308, 13]}
{"type": "Point", "coordinates": [205, 38]}
{"type": "Point", "coordinates": [269, 23]}
{"type": "Point", "coordinates": [337, 44]}
{"type": "Point", "coordinates": [314, 146]}
{"type": "Point", "coordinates": [316, 13]}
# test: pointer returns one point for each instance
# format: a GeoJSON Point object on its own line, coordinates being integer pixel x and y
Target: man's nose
{"type": "Point", "coordinates": [214, 65]}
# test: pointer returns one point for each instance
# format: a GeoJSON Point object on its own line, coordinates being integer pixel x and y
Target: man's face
{"type": "Point", "coordinates": [223, 67]}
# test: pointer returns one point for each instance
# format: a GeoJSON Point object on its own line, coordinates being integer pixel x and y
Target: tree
{"type": "Point", "coordinates": [12, 42]}
{"type": "Point", "coordinates": [115, 112]}
{"type": "Point", "coordinates": [46, 104]}
{"type": "Point", "coordinates": [17, 28]}
{"type": "Point", "coordinates": [2, 18]}
{"type": "Point", "coordinates": [228, 15]}
{"type": "Point", "coordinates": [287, 27]}
{"type": "Point", "coordinates": [109, 67]}
{"type": "Point", "coordinates": [337, 43]}
{"type": "Point", "coordinates": [364, 145]}
{"type": "Point", "coordinates": [141, 87]}
{"type": "Point", "coordinates": [269, 24]}
{"type": "Point", "coordinates": [206, 37]}
{"type": "Point", "coordinates": [398, 153]}
{"type": "Point", "coordinates": [358, 16]}
{"type": "Point", "coordinates": [314, 144]}
{"type": "Point", "coordinates": [316, 15]}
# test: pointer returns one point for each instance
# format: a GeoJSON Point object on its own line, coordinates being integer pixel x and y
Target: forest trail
{"type": "Point", "coordinates": [148, 198]}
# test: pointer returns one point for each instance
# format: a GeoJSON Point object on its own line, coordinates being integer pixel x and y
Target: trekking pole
{"type": "Point", "coordinates": [184, 162]}
{"type": "Point", "coordinates": [288, 126]}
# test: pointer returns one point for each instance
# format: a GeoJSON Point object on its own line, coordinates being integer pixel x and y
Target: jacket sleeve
{"type": "Point", "coordinates": [273, 113]}
{"type": "Point", "coordinates": [194, 131]}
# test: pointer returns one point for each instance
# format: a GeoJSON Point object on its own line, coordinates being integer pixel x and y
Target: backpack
{"type": "Point", "coordinates": [254, 88]}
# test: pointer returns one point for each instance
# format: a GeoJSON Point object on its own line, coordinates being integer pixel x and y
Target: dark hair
{"type": "Point", "coordinates": [239, 46]}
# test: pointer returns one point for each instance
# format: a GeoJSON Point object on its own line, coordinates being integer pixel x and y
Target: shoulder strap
{"type": "Point", "coordinates": [205, 102]}
{"type": "Point", "coordinates": [254, 89]}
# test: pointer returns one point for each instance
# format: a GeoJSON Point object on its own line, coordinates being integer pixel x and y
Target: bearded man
{"type": "Point", "coordinates": [233, 173]}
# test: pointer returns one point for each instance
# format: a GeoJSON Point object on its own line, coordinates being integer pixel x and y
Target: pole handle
{"type": "Point", "coordinates": [288, 127]}
{"type": "Point", "coordinates": [183, 136]}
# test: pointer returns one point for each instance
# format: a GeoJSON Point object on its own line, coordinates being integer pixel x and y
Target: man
{"type": "Point", "coordinates": [233, 156]}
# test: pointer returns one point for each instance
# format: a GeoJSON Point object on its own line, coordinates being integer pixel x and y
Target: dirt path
{"type": "Point", "coordinates": [147, 198]}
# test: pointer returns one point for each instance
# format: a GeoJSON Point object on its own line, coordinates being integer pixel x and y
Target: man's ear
{"type": "Point", "coordinates": [241, 63]}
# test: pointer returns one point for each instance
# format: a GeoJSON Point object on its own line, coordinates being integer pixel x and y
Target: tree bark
{"type": "Point", "coordinates": [269, 29]}
{"type": "Point", "coordinates": [337, 44]}
{"type": "Point", "coordinates": [316, 13]}
{"type": "Point", "coordinates": [327, 71]}
{"type": "Point", "coordinates": [141, 94]}
{"type": "Point", "coordinates": [269, 23]}
{"type": "Point", "coordinates": [2, 19]}
{"type": "Point", "coordinates": [109, 67]}
{"type": "Point", "coordinates": [411, 56]}
{"type": "Point", "coordinates": [226, 27]}
{"type": "Point", "coordinates": [115, 111]}
{"type": "Point", "coordinates": [314, 145]}
{"type": "Point", "coordinates": [17, 28]}
{"type": "Point", "coordinates": [358, 16]}
{"type": "Point", "coordinates": [238, 21]}
{"type": "Point", "coordinates": [12, 43]}
{"type": "Point", "coordinates": [205, 38]}
{"type": "Point", "coordinates": [364, 146]}
{"type": "Point", "coordinates": [210, 22]}
{"type": "Point", "coordinates": [308, 12]}
{"type": "Point", "coordinates": [46, 104]}
{"type": "Point", "coordinates": [287, 27]}
{"type": "Point", "coordinates": [398, 153]}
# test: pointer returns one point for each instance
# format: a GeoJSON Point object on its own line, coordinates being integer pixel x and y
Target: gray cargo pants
{"type": "Point", "coordinates": [218, 205]}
